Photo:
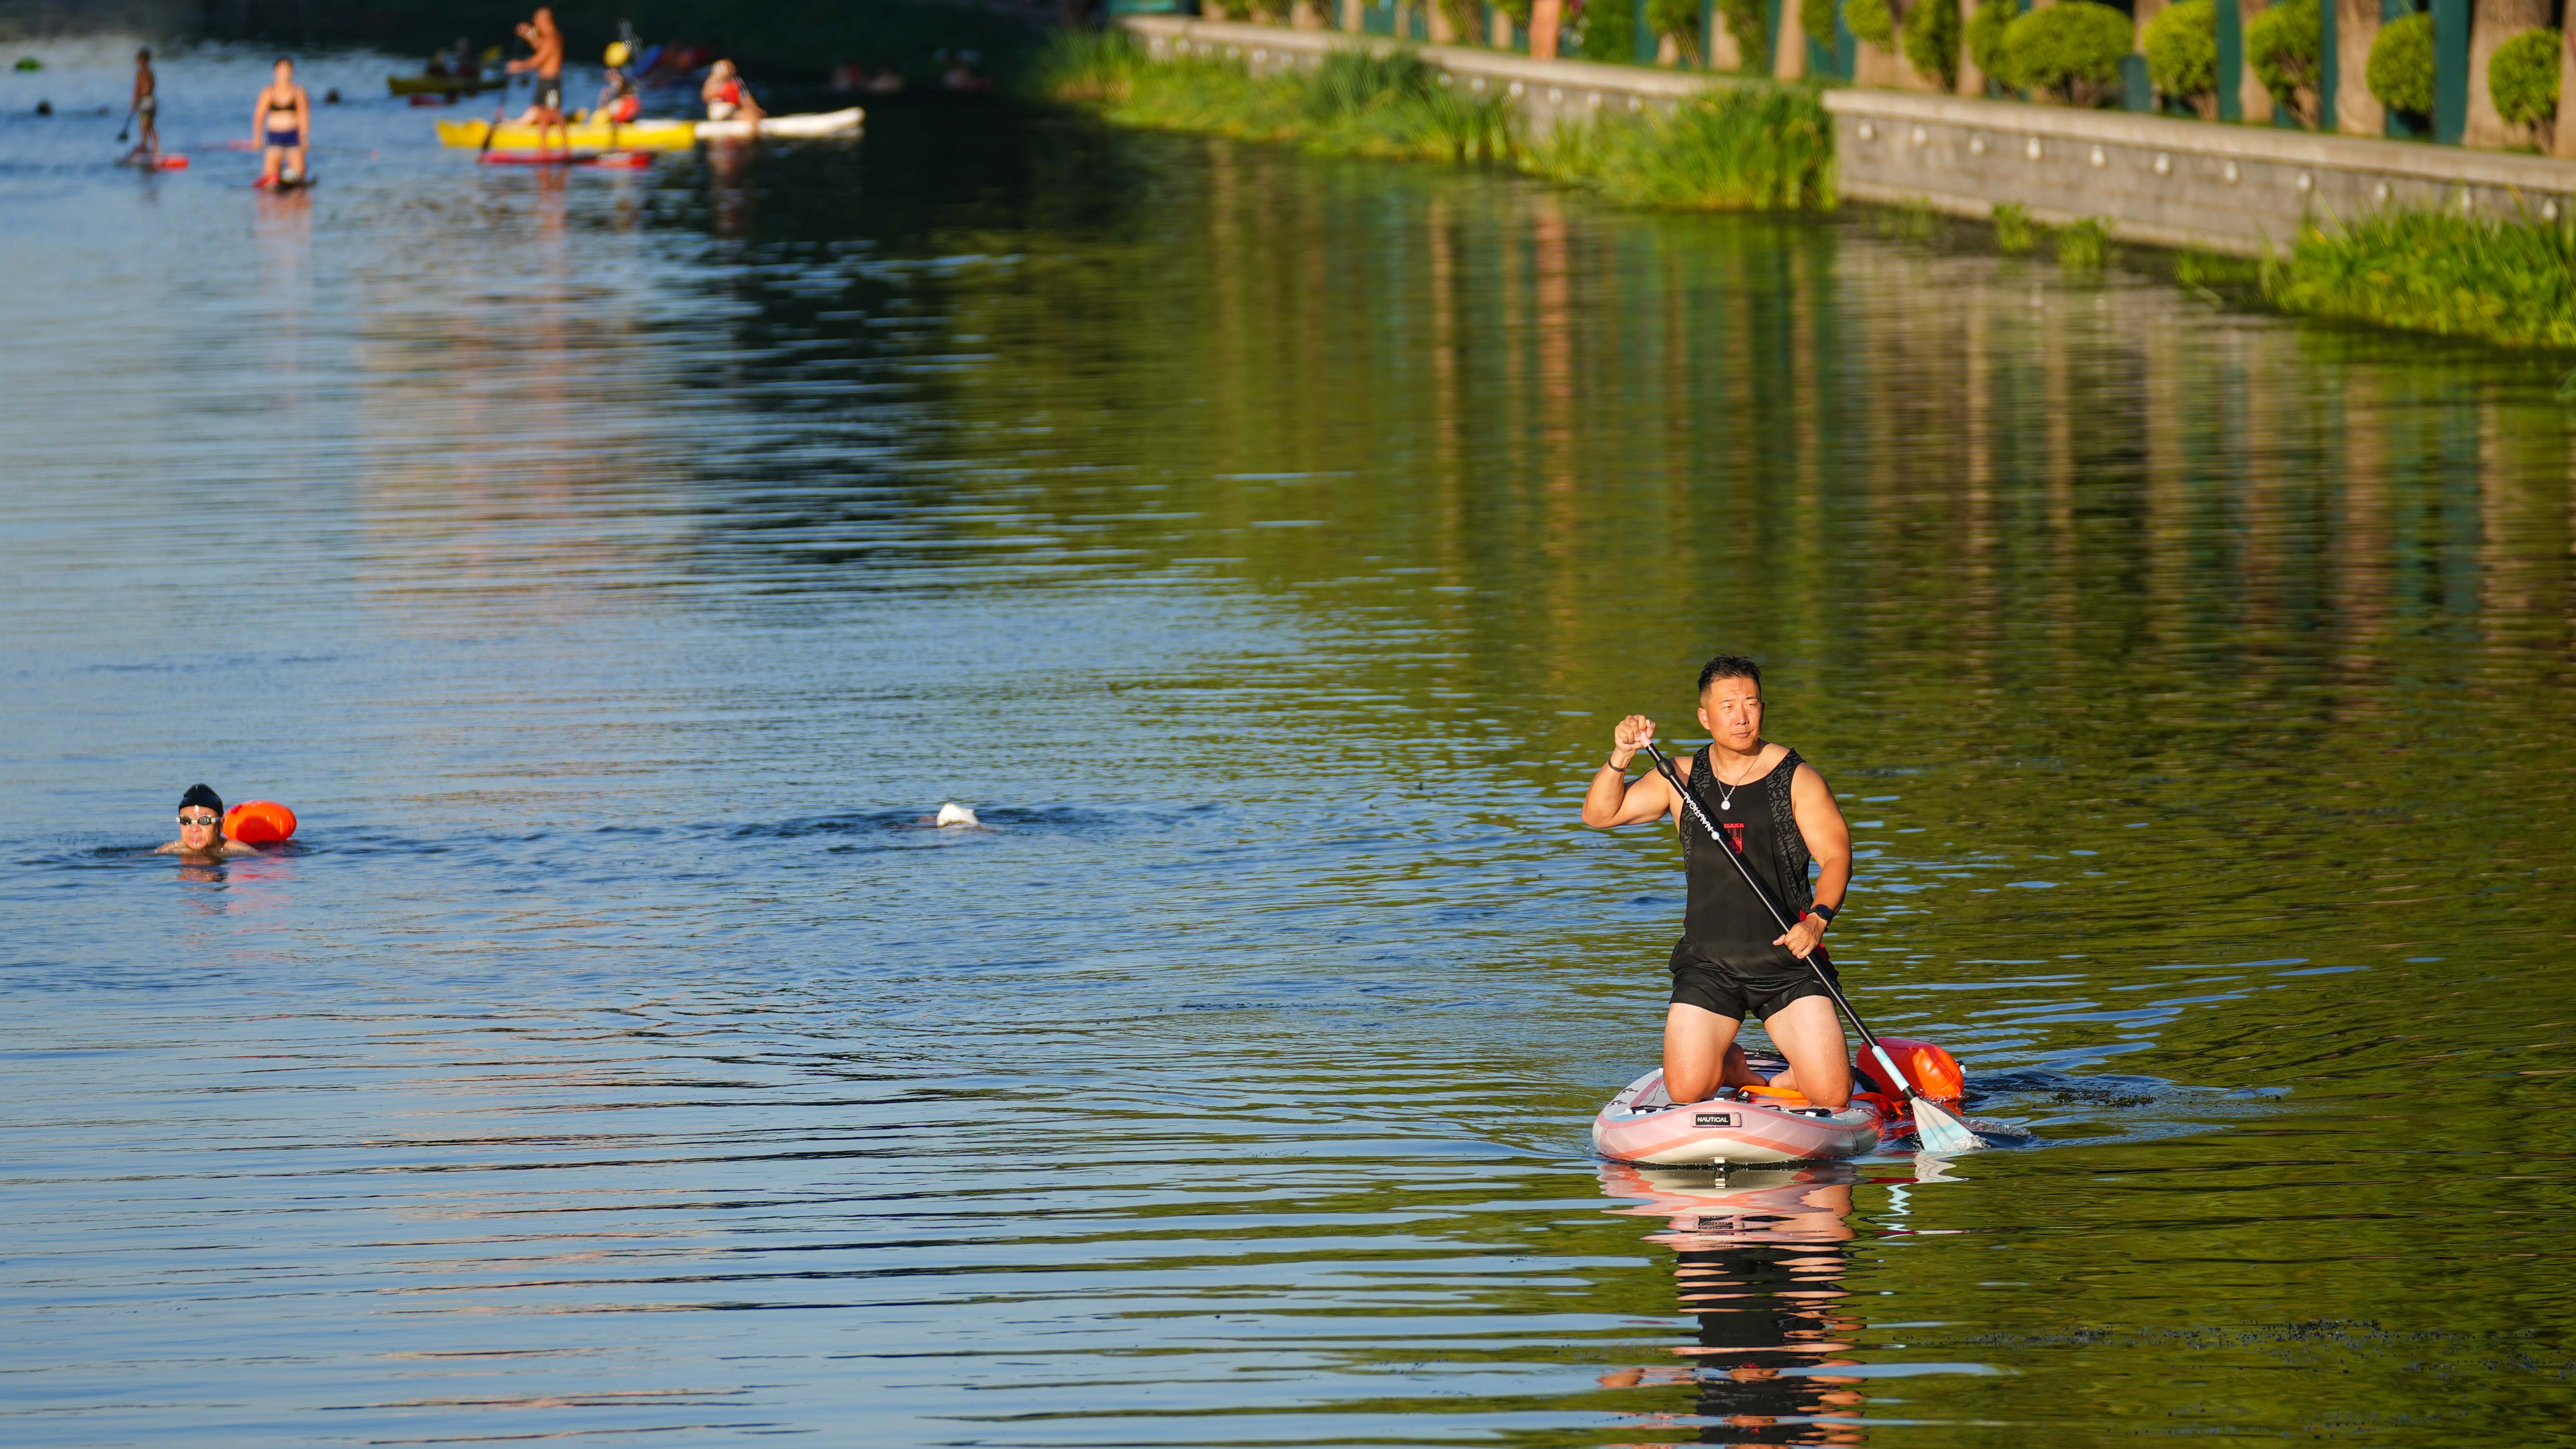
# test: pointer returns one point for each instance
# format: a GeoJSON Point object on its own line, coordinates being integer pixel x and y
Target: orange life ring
{"type": "Point", "coordinates": [259, 822]}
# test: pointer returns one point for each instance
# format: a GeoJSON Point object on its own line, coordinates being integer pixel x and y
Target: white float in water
{"type": "Point", "coordinates": [953, 813]}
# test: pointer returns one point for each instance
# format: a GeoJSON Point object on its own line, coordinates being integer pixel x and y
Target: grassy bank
{"type": "Point", "coordinates": [1755, 146]}
{"type": "Point", "coordinates": [2506, 281]}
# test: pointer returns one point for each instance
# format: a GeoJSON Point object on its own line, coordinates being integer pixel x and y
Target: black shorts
{"type": "Point", "coordinates": [1746, 995]}
{"type": "Point", "coordinates": [549, 92]}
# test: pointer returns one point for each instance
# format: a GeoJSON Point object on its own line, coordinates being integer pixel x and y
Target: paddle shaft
{"type": "Point", "coordinates": [1664, 767]}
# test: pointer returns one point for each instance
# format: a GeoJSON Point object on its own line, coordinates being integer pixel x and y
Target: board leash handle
{"type": "Point", "coordinates": [1923, 1104]}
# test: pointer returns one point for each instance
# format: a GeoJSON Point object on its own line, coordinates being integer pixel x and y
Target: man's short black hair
{"type": "Point", "coordinates": [1729, 666]}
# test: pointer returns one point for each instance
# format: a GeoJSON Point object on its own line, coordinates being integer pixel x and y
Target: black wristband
{"type": "Point", "coordinates": [1826, 911]}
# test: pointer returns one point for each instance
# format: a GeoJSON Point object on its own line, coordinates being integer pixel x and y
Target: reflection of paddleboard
{"type": "Point", "coordinates": [603, 160]}
{"type": "Point", "coordinates": [287, 183]}
{"type": "Point", "coordinates": [167, 161]}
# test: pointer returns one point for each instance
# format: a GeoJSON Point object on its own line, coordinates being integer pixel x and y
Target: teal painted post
{"type": "Point", "coordinates": [2231, 60]}
{"type": "Point", "coordinates": [2137, 88]}
{"type": "Point", "coordinates": [1708, 34]}
{"type": "Point", "coordinates": [1645, 37]}
{"type": "Point", "coordinates": [2398, 124]}
{"type": "Point", "coordinates": [2450, 70]}
{"type": "Point", "coordinates": [1846, 49]}
{"type": "Point", "coordinates": [2329, 66]}
{"type": "Point", "coordinates": [1771, 40]}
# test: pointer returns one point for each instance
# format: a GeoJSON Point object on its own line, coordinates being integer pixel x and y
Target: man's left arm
{"type": "Point", "coordinates": [1828, 837]}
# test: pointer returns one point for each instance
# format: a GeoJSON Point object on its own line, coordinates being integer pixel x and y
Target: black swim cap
{"type": "Point", "coordinates": [202, 795]}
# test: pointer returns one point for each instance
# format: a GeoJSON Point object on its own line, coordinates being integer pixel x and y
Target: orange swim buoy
{"type": "Point", "coordinates": [259, 822]}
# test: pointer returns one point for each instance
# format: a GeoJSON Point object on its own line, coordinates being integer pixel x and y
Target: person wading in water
{"type": "Point", "coordinates": [1733, 962]}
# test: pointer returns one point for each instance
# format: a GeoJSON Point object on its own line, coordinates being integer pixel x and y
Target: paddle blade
{"type": "Point", "coordinates": [1938, 1131]}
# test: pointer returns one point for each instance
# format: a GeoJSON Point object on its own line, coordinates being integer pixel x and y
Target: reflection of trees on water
{"type": "Point", "coordinates": [1759, 1259]}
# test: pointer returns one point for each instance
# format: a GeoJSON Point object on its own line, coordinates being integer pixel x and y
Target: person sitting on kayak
{"type": "Point", "coordinates": [618, 103]}
{"type": "Point", "coordinates": [1733, 962]}
{"type": "Point", "coordinates": [727, 98]}
{"type": "Point", "coordinates": [282, 124]}
{"type": "Point", "coordinates": [201, 829]}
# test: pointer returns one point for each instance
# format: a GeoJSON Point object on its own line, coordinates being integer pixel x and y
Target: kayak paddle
{"type": "Point", "coordinates": [1935, 1129]}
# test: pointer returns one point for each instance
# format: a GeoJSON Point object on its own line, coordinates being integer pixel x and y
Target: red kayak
{"type": "Point", "coordinates": [602, 160]}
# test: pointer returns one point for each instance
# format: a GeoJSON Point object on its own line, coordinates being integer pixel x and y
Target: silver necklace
{"type": "Point", "coordinates": [1726, 799]}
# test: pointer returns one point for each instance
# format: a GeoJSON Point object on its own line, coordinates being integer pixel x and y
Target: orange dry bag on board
{"type": "Point", "coordinates": [1928, 1069]}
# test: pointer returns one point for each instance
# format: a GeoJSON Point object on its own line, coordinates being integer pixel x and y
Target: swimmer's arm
{"type": "Point", "coordinates": [173, 848]}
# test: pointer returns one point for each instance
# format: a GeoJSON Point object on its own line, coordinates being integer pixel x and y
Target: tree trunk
{"type": "Point", "coordinates": [1545, 17]}
{"type": "Point", "coordinates": [2563, 142]}
{"type": "Point", "coordinates": [2491, 24]}
{"type": "Point", "coordinates": [1435, 20]}
{"type": "Point", "coordinates": [1972, 81]}
{"type": "Point", "coordinates": [1498, 31]}
{"type": "Point", "coordinates": [2357, 111]}
{"type": "Point", "coordinates": [1725, 52]}
{"type": "Point", "coordinates": [1789, 47]}
{"type": "Point", "coordinates": [2252, 96]}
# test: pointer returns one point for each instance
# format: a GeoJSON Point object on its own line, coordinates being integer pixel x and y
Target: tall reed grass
{"type": "Point", "coordinates": [2511, 281]}
{"type": "Point", "coordinates": [1749, 147]}
{"type": "Point", "coordinates": [1756, 147]}
{"type": "Point", "coordinates": [1354, 102]}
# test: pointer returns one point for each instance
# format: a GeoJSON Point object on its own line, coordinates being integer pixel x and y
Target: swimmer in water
{"type": "Point", "coordinates": [201, 829]}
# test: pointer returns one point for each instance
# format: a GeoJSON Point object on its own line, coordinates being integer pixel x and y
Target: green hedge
{"type": "Point", "coordinates": [2522, 77]}
{"type": "Point", "coordinates": [1816, 17]}
{"type": "Point", "coordinates": [1932, 40]}
{"type": "Point", "coordinates": [1679, 19]}
{"type": "Point", "coordinates": [1872, 21]}
{"type": "Point", "coordinates": [2286, 46]}
{"type": "Point", "coordinates": [1986, 35]}
{"type": "Point", "coordinates": [2071, 51]}
{"type": "Point", "coordinates": [1610, 30]}
{"type": "Point", "coordinates": [2512, 282]}
{"type": "Point", "coordinates": [2401, 65]}
{"type": "Point", "coordinates": [2182, 54]}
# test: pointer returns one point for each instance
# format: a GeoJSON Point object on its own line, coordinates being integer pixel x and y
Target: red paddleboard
{"type": "Point", "coordinates": [605, 160]}
{"type": "Point", "coordinates": [172, 163]}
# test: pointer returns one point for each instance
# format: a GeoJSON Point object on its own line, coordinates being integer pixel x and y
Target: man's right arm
{"type": "Point", "coordinates": [1614, 799]}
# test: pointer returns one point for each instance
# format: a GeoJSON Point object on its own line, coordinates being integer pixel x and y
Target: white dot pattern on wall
{"type": "Point", "coordinates": [2032, 150]}
{"type": "Point", "coordinates": [1922, 137]}
{"type": "Point", "coordinates": [1868, 132]}
{"type": "Point", "coordinates": [2230, 173]}
{"type": "Point", "coordinates": [2164, 164]}
{"type": "Point", "coordinates": [1976, 145]}
{"type": "Point", "coordinates": [2307, 182]}
{"type": "Point", "coordinates": [2549, 210]}
{"type": "Point", "coordinates": [2098, 158]}
{"type": "Point", "coordinates": [2379, 192]}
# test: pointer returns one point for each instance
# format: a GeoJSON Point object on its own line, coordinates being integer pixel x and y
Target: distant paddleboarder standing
{"type": "Point", "coordinates": [1733, 962]}
{"type": "Point", "coordinates": [282, 125]}
{"type": "Point", "coordinates": [145, 110]}
{"type": "Point", "coordinates": [546, 112]}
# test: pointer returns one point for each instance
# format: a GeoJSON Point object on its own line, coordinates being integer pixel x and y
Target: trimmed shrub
{"type": "Point", "coordinates": [1466, 20]}
{"type": "Point", "coordinates": [1872, 21]}
{"type": "Point", "coordinates": [1679, 19]}
{"type": "Point", "coordinates": [1749, 21]}
{"type": "Point", "coordinates": [1986, 35]}
{"type": "Point", "coordinates": [2070, 51]}
{"type": "Point", "coordinates": [2182, 54]}
{"type": "Point", "coordinates": [1610, 30]}
{"type": "Point", "coordinates": [1274, 11]}
{"type": "Point", "coordinates": [1518, 10]}
{"type": "Point", "coordinates": [2286, 47]}
{"type": "Point", "coordinates": [2522, 77]}
{"type": "Point", "coordinates": [2401, 65]}
{"type": "Point", "coordinates": [1816, 17]}
{"type": "Point", "coordinates": [1932, 40]}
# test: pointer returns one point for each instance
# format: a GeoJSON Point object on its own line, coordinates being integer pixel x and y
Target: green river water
{"type": "Point", "coordinates": [616, 570]}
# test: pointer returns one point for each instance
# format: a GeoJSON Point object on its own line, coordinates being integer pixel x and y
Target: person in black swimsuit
{"type": "Point", "coordinates": [283, 125]}
{"type": "Point", "coordinates": [1733, 961]}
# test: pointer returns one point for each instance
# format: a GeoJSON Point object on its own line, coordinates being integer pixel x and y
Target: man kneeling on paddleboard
{"type": "Point", "coordinates": [1733, 961]}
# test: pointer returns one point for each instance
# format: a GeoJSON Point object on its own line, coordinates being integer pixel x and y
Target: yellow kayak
{"type": "Point", "coordinates": [584, 136]}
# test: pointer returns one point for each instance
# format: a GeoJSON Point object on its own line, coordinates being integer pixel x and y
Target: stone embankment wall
{"type": "Point", "coordinates": [2158, 180]}
{"type": "Point", "coordinates": [22, 20]}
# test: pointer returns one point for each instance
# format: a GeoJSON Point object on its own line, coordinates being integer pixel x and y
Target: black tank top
{"type": "Point", "coordinates": [1724, 925]}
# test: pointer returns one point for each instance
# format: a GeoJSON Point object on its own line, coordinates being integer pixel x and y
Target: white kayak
{"type": "Point", "coordinates": [817, 123]}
